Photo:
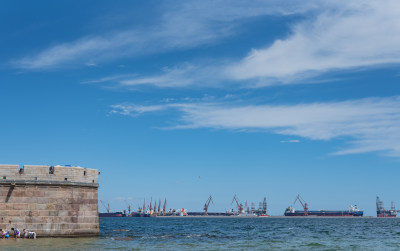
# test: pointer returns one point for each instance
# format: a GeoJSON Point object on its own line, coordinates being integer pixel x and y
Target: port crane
{"type": "Point", "coordinates": [129, 207]}
{"type": "Point", "coordinates": [207, 204]}
{"type": "Point", "coordinates": [150, 207]}
{"type": "Point", "coordinates": [144, 207]}
{"type": "Point", "coordinates": [159, 207]}
{"type": "Point", "coordinates": [164, 207]}
{"type": "Point", "coordinates": [107, 207]}
{"type": "Point", "coordinates": [303, 204]}
{"type": "Point", "coordinates": [238, 204]}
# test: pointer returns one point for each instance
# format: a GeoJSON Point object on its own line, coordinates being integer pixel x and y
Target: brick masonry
{"type": "Point", "coordinates": [63, 203]}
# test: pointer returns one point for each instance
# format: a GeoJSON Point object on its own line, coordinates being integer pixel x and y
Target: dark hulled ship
{"type": "Point", "coordinates": [352, 211]}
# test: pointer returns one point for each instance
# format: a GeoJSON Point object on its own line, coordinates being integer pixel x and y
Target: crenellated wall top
{"type": "Point", "coordinates": [65, 175]}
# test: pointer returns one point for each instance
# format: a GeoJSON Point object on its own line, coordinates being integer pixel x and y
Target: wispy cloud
{"type": "Point", "coordinates": [170, 77]}
{"type": "Point", "coordinates": [182, 25]}
{"type": "Point", "coordinates": [290, 141]}
{"type": "Point", "coordinates": [337, 36]}
{"type": "Point", "coordinates": [113, 78]}
{"type": "Point", "coordinates": [356, 34]}
{"type": "Point", "coordinates": [367, 125]}
{"type": "Point", "coordinates": [134, 110]}
{"type": "Point", "coordinates": [184, 75]}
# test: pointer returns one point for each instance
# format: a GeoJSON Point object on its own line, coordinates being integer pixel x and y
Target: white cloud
{"type": "Point", "coordinates": [182, 25]}
{"type": "Point", "coordinates": [357, 34]}
{"type": "Point", "coordinates": [113, 78]}
{"type": "Point", "coordinates": [170, 77]}
{"type": "Point", "coordinates": [368, 125]}
{"type": "Point", "coordinates": [290, 141]}
{"type": "Point", "coordinates": [339, 35]}
{"type": "Point", "coordinates": [183, 75]}
{"type": "Point", "coordinates": [134, 110]}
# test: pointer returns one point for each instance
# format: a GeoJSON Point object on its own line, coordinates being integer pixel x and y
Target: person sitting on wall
{"type": "Point", "coordinates": [29, 234]}
{"type": "Point", "coordinates": [25, 233]}
{"type": "Point", "coordinates": [11, 232]}
{"type": "Point", "coordinates": [32, 235]}
{"type": "Point", "coordinates": [17, 233]}
{"type": "Point", "coordinates": [3, 233]}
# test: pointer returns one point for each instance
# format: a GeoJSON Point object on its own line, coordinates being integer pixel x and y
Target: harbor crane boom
{"type": "Point", "coordinates": [107, 207]}
{"type": "Point", "coordinates": [247, 207]}
{"type": "Point", "coordinates": [303, 204]}
{"type": "Point", "coordinates": [164, 207]}
{"type": "Point", "coordinates": [207, 204]}
{"type": "Point", "coordinates": [150, 207]}
{"type": "Point", "coordinates": [129, 207]}
{"type": "Point", "coordinates": [238, 204]}
{"type": "Point", "coordinates": [144, 206]}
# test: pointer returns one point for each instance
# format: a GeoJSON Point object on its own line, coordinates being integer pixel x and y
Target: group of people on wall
{"type": "Point", "coordinates": [15, 233]}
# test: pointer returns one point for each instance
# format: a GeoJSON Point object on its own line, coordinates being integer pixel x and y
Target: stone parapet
{"type": "Point", "coordinates": [49, 173]}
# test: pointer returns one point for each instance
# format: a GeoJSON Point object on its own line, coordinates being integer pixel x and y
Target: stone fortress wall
{"type": "Point", "coordinates": [50, 200]}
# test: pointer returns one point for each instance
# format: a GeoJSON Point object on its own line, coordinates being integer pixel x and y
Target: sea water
{"type": "Point", "coordinates": [229, 233]}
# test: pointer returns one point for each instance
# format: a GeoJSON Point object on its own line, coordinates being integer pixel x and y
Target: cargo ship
{"type": "Point", "coordinates": [112, 214]}
{"type": "Point", "coordinates": [352, 212]}
{"type": "Point", "coordinates": [139, 214]}
{"type": "Point", "coordinates": [381, 212]}
{"type": "Point", "coordinates": [109, 213]}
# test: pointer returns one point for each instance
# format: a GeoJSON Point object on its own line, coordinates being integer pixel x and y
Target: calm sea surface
{"type": "Point", "coordinates": [228, 234]}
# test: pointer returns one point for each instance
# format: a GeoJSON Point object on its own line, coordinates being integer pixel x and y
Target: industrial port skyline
{"type": "Point", "coordinates": [237, 208]}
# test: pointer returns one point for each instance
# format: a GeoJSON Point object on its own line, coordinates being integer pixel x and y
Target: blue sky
{"type": "Point", "coordinates": [183, 99]}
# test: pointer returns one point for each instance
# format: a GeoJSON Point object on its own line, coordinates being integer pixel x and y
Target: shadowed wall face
{"type": "Point", "coordinates": [59, 201]}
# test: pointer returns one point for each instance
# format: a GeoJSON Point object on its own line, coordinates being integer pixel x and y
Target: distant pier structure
{"type": "Point", "coordinates": [50, 200]}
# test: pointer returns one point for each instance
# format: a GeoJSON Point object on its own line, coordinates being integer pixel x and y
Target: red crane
{"type": "Point", "coordinates": [303, 204]}
{"type": "Point", "coordinates": [159, 207]}
{"type": "Point", "coordinates": [107, 207]}
{"type": "Point", "coordinates": [207, 204]}
{"type": "Point", "coordinates": [238, 204]}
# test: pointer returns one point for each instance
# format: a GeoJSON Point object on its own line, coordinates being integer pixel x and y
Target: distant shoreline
{"type": "Point", "coordinates": [268, 217]}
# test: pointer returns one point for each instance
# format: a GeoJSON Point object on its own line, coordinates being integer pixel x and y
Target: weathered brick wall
{"type": "Point", "coordinates": [47, 203]}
